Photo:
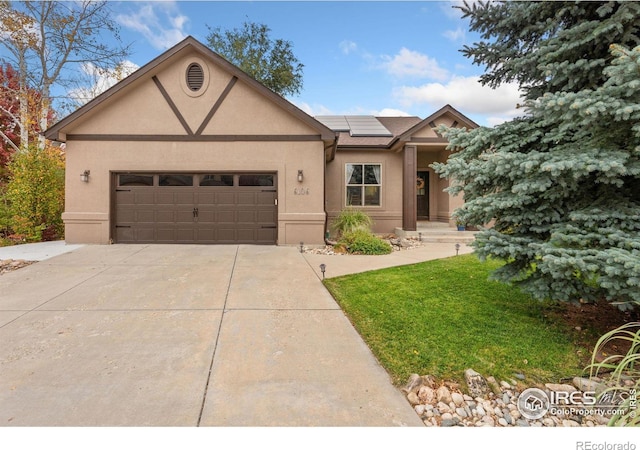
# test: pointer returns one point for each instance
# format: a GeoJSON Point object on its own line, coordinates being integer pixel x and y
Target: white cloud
{"type": "Point", "coordinates": [161, 23]}
{"type": "Point", "coordinates": [314, 110]}
{"type": "Point", "coordinates": [465, 94]}
{"type": "Point", "coordinates": [455, 35]}
{"type": "Point", "coordinates": [99, 80]}
{"type": "Point", "coordinates": [391, 112]}
{"type": "Point", "coordinates": [411, 64]}
{"type": "Point", "coordinates": [450, 8]}
{"type": "Point", "coordinates": [348, 46]}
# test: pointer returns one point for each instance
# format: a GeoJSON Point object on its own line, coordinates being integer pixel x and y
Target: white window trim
{"type": "Point", "coordinates": [346, 184]}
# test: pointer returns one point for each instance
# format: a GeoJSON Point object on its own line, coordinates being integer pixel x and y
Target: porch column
{"type": "Point", "coordinates": [409, 169]}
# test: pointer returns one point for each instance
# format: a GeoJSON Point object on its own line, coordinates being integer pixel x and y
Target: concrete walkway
{"type": "Point", "coordinates": [152, 335]}
{"type": "Point", "coordinates": [338, 265]}
{"type": "Point", "coordinates": [39, 251]}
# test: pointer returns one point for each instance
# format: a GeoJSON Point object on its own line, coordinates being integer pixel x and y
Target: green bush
{"type": "Point", "coordinates": [35, 192]}
{"type": "Point", "coordinates": [621, 367]}
{"type": "Point", "coordinates": [363, 242]}
{"type": "Point", "coordinates": [351, 220]}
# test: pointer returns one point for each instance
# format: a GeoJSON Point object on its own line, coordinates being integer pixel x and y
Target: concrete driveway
{"type": "Point", "coordinates": [152, 335]}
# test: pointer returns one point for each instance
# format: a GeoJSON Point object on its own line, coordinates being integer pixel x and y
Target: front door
{"type": "Point", "coordinates": [422, 192]}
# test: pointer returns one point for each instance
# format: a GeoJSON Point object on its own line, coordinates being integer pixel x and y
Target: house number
{"type": "Point", "coordinates": [301, 191]}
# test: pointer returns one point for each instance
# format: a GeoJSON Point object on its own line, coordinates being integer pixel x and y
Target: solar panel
{"type": "Point", "coordinates": [357, 126]}
{"type": "Point", "coordinates": [335, 123]}
{"type": "Point", "coordinates": [366, 126]}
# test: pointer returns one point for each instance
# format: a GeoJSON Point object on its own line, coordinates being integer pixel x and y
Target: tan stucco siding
{"type": "Point", "coordinates": [388, 215]}
{"type": "Point", "coordinates": [300, 205]}
{"type": "Point", "coordinates": [244, 111]}
{"type": "Point", "coordinates": [139, 110]}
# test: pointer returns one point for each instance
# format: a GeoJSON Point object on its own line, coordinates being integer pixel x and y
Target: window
{"type": "Point", "coordinates": [256, 180]}
{"type": "Point", "coordinates": [363, 184]}
{"type": "Point", "coordinates": [176, 180]}
{"type": "Point", "coordinates": [216, 179]}
{"type": "Point", "coordinates": [126, 179]}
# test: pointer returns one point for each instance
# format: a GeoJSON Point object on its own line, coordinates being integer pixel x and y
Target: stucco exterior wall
{"type": "Point", "coordinates": [388, 215]}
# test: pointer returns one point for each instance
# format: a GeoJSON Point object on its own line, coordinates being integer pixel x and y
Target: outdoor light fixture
{"type": "Point", "coordinates": [300, 176]}
{"type": "Point", "coordinates": [457, 249]}
{"type": "Point", "coordinates": [84, 176]}
{"type": "Point", "coordinates": [301, 247]}
{"type": "Point", "coordinates": [420, 236]}
{"type": "Point", "coordinates": [323, 267]}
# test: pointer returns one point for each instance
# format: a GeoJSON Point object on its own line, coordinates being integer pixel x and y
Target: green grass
{"type": "Point", "coordinates": [442, 317]}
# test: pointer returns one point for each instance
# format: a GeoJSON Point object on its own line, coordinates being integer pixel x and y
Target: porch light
{"type": "Point", "coordinates": [84, 176]}
{"type": "Point", "coordinates": [323, 267]}
{"type": "Point", "coordinates": [300, 176]}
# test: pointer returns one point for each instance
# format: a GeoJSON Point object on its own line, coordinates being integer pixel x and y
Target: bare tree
{"type": "Point", "coordinates": [47, 40]}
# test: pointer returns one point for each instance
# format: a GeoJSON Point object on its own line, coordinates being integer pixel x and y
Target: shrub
{"type": "Point", "coordinates": [363, 242]}
{"type": "Point", "coordinates": [35, 192]}
{"type": "Point", "coordinates": [622, 367]}
{"type": "Point", "coordinates": [351, 220]}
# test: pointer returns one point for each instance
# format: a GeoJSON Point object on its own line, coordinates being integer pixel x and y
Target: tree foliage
{"type": "Point", "coordinates": [270, 61]}
{"type": "Point", "coordinates": [46, 42]}
{"type": "Point", "coordinates": [561, 184]}
{"type": "Point", "coordinates": [10, 126]}
{"type": "Point", "coordinates": [35, 192]}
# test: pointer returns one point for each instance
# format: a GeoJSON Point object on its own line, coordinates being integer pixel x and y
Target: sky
{"type": "Point", "coordinates": [360, 57]}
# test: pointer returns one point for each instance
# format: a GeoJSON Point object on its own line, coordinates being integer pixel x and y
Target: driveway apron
{"type": "Point", "coordinates": [184, 335]}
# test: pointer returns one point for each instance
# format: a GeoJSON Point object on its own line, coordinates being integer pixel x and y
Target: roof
{"type": "Point", "coordinates": [399, 130]}
{"type": "Point", "coordinates": [53, 132]}
{"type": "Point", "coordinates": [369, 134]}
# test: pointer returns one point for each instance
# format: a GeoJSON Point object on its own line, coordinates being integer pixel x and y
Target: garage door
{"type": "Point", "coordinates": [203, 208]}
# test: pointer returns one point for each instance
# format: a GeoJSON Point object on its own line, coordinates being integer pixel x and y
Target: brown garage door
{"type": "Point", "coordinates": [204, 208]}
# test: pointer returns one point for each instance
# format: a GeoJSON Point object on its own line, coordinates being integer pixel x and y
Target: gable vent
{"type": "Point", "coordinates": [195, 77]}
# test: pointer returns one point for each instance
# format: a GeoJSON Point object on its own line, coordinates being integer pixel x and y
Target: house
{"type": "Point", "coordinates": [189, 149]}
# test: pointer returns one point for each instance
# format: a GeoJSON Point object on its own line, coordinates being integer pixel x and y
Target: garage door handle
{"type": "Point", "coordinates": [195, 212]}
{"type": "Point", "coordinates": [269, 226]}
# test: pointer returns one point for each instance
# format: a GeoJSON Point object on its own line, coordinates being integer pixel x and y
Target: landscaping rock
{"type": "Point", "coordinates": [585, 384]}
{"type": "Point", "coordinates": [414, 383]}
{"type": "Point", "coordinates": [426, 394]}
{"type": "Point", "coordinates": [443, 394]}
{"type": "Point", "coordinates": [9, 265]}
{"type": "Point", "coordinates": [476, 383]}
{"type": "Point", "coordinates": [448, 406]}
{"type": "Point", "coordinates": [457, 399]}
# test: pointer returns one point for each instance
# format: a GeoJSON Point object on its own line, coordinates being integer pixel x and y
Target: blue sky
{"type": "Point", "coordinates": [362, 57]}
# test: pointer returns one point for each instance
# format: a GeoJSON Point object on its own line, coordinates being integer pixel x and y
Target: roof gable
{"type": "Point", "coordinates": [447, 115]}
{"type": "Point", "coordinates": [151, 69]}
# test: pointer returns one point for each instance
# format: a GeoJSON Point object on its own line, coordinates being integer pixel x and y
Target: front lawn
{"type": "Point", "coordinates": [442, 317]}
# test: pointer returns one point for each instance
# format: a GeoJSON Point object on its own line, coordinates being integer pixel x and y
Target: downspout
{"type": "Point", "coordinates": [324, 188]}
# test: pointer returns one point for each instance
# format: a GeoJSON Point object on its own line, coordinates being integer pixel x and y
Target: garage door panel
{"type": "Point", "coordinates": [143, 197]}
{"type": "Point", "coordinates": [225, 198]}
{"type": "Point", "coordinates": [195, 214]}
{"type": "Point", "coordinates": [266, 216]}
{"type": "Point", "coordinates": [145, 216]}
{"type": "Point", "coordinates": [246, 198]}
{"type": "Point", "coordinates": [226, 216]}
{"type": "Point", "coordinates": [181, 198]}
{"type": "Point", "coordinates": [246, 216]}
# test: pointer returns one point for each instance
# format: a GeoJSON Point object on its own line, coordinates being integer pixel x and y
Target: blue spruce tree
{"type": "Point", "coordinates": [560, 185]}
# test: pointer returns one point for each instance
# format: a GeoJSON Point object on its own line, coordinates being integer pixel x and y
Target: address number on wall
{"type": "Point", "coordinates": [301, 191]}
